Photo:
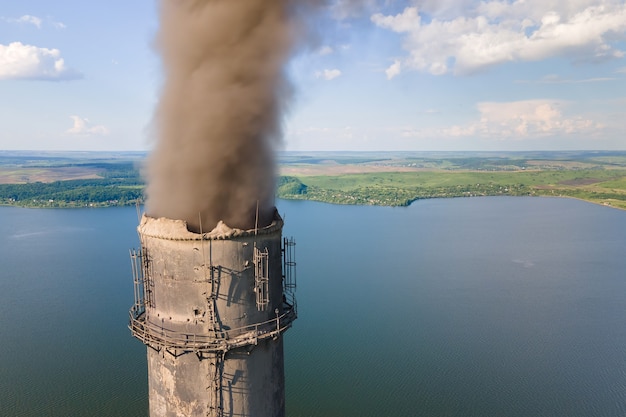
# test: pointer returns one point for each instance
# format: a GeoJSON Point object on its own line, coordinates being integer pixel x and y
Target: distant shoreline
{"type": "Point", "coordinates": [83, 179]}
{"type": "Point", "coordinates": [50, 207]}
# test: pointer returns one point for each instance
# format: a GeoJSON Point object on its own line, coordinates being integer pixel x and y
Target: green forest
{"type": "Point", "coordinates": [115, 183]}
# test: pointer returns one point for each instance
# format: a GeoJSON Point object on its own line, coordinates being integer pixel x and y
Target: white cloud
{"type": "Point", "coordinates": [83, 127]}
{"type": "Point", "coordinates": [495, 32]}
{"type": "Point", "coordinates": [403, 22]}
{"type": "Point", "coordinates": [328, 74]}
{"type": "Point", "coordinates": [27, 62]}
{"type": "Point", "coordinates": [524, 119]}
{"type": "Point", "coordinates": [325, 50]}
{"type": "Point", "coordinates": [394, 69]}
{"type": "Point", "coordinates": [33, 20]}
{"type": "Point", "coordinates": [58, 25]}
{"type": "Point", "coordinates": [621, 70]}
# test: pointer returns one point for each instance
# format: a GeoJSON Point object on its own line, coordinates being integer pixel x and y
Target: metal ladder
{"type": "Point", "coordinates": [261, 278]}
{"type": "Point", "coordinates": [216, 405]}
{"type": "Point", "coordinates": [212, 302]}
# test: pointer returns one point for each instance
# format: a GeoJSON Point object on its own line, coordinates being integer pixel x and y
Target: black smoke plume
{"type": "Point", "coordinates": [220, 112]}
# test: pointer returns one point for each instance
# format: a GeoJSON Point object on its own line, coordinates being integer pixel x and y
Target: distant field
{"type": "Point", "coordinates": [54, 180]}
{"type": "Point", "coordinates": [50, 174]}
{"type": "Point", "coordinates": [336, 169]}
{"type": "Point", "coordinates": [391, 179]}
{"type": "Point", "coordinates": [401, 179]}
{"type": "Point", "coordinates": [393, 189]}
{"type": "Point", "coordinates": [430, 179]}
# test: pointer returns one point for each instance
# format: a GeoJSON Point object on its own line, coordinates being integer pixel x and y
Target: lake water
{"type": "Point", "coordinates": [463, 307]}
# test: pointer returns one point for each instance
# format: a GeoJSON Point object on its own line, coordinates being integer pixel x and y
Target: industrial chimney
{"type": "Point", "coordinates": [212, 309]}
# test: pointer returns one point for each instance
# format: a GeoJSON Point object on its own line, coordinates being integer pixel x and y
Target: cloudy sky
{"type": "Point", "coordinates": [379, 75]}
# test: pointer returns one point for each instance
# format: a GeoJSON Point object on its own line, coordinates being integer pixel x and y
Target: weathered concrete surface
{"type": "Point", "coordinates": [192, 278]}
{"type": "Point", "coordinates": [252, 384]}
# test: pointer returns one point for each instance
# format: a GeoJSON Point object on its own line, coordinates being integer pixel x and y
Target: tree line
{"type": "Point", "coordinates": [105, 191]}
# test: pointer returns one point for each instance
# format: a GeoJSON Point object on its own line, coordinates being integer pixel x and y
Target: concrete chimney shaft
{"type": "Point", "coordinates": [212, 307]}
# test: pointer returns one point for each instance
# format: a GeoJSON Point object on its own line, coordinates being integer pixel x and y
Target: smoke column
{"type": "Point", "coordinates": [220, 112]}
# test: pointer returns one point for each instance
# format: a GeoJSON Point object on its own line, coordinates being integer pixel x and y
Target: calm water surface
{"type": "Point", "coordinates": [463, 307]}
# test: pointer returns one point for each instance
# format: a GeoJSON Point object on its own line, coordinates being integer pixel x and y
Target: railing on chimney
{"type": "Point", "coordinates": [162, 335]}
{"type": "Point", "coordinates": [158, 336]}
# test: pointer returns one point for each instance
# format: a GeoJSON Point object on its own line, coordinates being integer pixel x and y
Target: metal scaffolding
{"type": "Point", "coordinates": [216, 340]}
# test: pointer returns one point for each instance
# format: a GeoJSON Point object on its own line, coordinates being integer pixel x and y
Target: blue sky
{"type": "Point", "coordinates": [379, 75]}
